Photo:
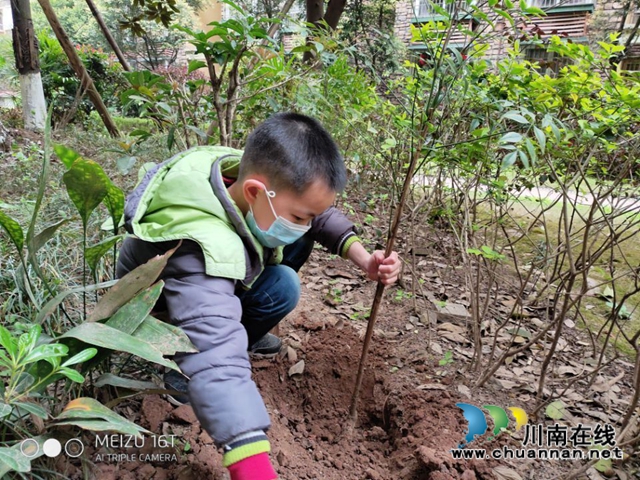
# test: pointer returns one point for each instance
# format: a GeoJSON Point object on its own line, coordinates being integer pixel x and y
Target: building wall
{"type": "Point", "coordinates": [579, 25]}
{"type": "Point", "coordinates": [6, 20]}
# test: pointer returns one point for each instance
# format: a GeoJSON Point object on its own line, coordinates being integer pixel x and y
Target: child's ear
{"type": "Point", "coordinates": [250, 188]}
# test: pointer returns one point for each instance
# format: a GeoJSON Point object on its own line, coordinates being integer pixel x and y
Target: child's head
{"type": "Point", "coordinates": [292, 151]}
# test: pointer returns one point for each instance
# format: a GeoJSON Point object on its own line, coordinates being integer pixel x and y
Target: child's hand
{"type": "Point", "coordinates": [384, 269]}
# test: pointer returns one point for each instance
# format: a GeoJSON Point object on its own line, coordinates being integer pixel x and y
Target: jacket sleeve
{"type": "Point", "coordinates": [332, 229]}
{"type": "Point", "coordinates": [224, 398]}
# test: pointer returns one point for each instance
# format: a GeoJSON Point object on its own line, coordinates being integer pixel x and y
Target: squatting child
{"type": "Point", "coordinates": [248, 221]}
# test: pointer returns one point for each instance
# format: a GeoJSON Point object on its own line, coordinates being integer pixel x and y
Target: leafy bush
{"type": "Point", "coordinates": [62, 88]}
{"type": "Point", "coordinates": [54, 344]}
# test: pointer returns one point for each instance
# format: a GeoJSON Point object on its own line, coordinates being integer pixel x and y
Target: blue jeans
{"type": "Point", "coordinates": [276, 291]}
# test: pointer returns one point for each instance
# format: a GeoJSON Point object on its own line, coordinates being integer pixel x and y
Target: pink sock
{"type": "Point", "coordinates": [256, 467]}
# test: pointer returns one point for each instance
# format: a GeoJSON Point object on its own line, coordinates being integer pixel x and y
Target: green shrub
{"type": "Point", "coordinates": [62, 86]}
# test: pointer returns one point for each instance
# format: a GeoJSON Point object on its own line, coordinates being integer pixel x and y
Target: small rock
{"type": "Point", "coordinates": [373, 475]}
{"type": "Point", "coordinates": [185, 414]}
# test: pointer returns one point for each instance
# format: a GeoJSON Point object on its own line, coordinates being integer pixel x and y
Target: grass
{"type": "Point", "coordinates": [524, 212]}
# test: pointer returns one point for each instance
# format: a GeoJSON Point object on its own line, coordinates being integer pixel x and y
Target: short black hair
{"type": "Point", "coordinates": [292, 151]}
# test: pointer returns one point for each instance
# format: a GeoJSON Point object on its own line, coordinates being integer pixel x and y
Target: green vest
{"type": "Point", "coordinates": [182, 200]}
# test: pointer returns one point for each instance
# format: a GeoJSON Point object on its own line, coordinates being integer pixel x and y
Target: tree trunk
{"type": "Point", "coordinates": [25, 49]}
{"type": "Point", "coordinates": [315, 14]}
{"type": "Point", "coordinates": [108, 36]}
{"type": "Point", "coordinates": [85, 80]}
{"type": "Point", "coordinates": [334, 12]}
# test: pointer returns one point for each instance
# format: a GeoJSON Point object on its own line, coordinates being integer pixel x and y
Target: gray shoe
{"type": "Point", "coordinates": [267, 347]}
{"type": "Point", "coordinates": [174, 380]}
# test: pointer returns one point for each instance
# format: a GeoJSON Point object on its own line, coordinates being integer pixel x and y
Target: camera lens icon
{"type": "Point", "coordinates": [29, 447]}
{"type": "Point", "coordinates": [74, 448]}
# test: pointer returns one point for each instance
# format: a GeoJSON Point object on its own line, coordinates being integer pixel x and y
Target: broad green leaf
{"type": "Point", "coordinates": [13, 229]}
{"type": "Point", "coordinates": [90, 414]}
{"type": "Point", "coordinates": [115, 381]}
{"type": "Point", "coordinates": [4, 410]}
{"type": "Point", "coordinates": [44, 352]}
{"type": "Point", "coordinates": [12, 459]}
{"type": "Point", "coordinates": [556, 410]}
{"type": "Point", "coordinates": [510, 137]}
{"type": "Point", "coordinates": [165, 337]}
{"type": "Point", "coordinates": [27, 341]}
{"type": "Point", "coordinates": [516, 117]}
{"type": "Point", "coordinates": [80, 357]}
{"type": "Point", "coordinates": [94, 253]}
{"type": "Point", "coordinates": [195, 65]}
{"type": "Point", "coordinates": [523, 158]}
{"type": "Point", "coordinates": [33, 408]}
{"type": "Point", "coordinates": [111, 338]}
{"type": "Point", "coordinates": [8, 342]}
{"type": "Point", "coordinates": [44, 236]}
{"type": "Point", "coordinates": [15, 454]}
{"type": "Point", "coordinates": [66, 155]}
{"type": "Point", "coordinates": [531, 149]}
{"type": "Point", "coordinates": [130, 316]}
{"type": "Point", "coordinates": [128, 286]}
{"type": "Point", "coordinates": [509, 159]}
{"type": "Point", "coordinates": [52, 304]}
{"type": "Point", "coordinates": [72, 374]}
{"type": "Point", "coordinates": [114, 200]}
{"type": "Point", "coordinates": [541, 137]}
{"type": "Point", "coordinates": [87, 185]}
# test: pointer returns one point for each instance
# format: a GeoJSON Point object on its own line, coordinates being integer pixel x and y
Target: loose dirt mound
{"type": "Point", "coordinates": [401, 433]}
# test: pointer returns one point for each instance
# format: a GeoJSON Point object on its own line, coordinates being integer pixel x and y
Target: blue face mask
{"type": "Point", "coordinates": [281, 231]}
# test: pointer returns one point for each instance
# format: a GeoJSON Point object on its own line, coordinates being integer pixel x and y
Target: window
{"type": "Point", "coordinates": [550, 62]}
{"type": "Point", "coordinates": [631, 64]}
{"type": "Point", "coordinates": [545, 4]}
{"type": "Point", "coordinates": [425, 8]}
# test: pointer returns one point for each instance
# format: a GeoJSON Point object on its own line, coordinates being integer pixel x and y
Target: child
{"type": "Point", "coordinates": [231, 281]}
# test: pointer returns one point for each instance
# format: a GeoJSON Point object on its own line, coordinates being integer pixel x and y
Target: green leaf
{"type": "Point", "coordinates": [9, 456]}
{"type": "Point", "coordinates": [541, 137]}
{"type": "Point", "coordinates": [82, 356]}
{"type": "Point", "coordinates": [5, 410]}
{"type": "Point", "coordinates": [510, 137]}
{"type": "Point", "coordinates": [94, 253]}
{"type": "Point", "coordinates": [90, 414]}
{"type": "Point", "coordinates": [509, 159]}
{"type": "Point", "coordinates": [516, 117]}
{"type": "Point", "coordinates": [115, 381]}
{"type": "Point", "coordinates": [13, 229]}
{"type": "Point", "coordinates": [33, 408]}
{"type": "Point", "coordinates": [44, 352]}
{"type": "Point", "coordinates": [195, 65]}
{"type": "Point", "coordinates": [111, 338]}
{"type": "Point", "coordinates": [12, 459]}
{"type": "Point", "coordinates": [72, 374]}
{"type": "Point", "coordinates": [165, 337]}
{"type": "Point", "coordinates": [44, 236]}
{"type": "Point", "coordinates": [128, 286]}
{"type": "Point", "coordinates": [87, 185]}
{"type": "Point", "coordinates": [9, 342]}
{"type": "Point", "coordinates": [114, 200]}
{"type": "Point", "coordinates": [131, 315]}
{"type": "Point", "coordinates": [556, 410]}
{"type": "Point", "coordinates": [66, 155]}
{"type": "Point", "coordinates": [52, 304]}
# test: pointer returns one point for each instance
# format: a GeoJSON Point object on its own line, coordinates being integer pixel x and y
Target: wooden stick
{"type": "Point", "coordinates": [377, 299]}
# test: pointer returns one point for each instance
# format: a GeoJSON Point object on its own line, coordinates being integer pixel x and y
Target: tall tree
{"type": "Point", "coordinates": [25, 49]}
{"type": "Point", "coordinates": [318, 16]}
{"type": "Point", "coordinates": [107, 35]}
{"type": "Point", "coordinates": [86, 82]}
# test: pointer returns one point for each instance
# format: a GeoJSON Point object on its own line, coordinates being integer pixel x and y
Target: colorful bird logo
{"type": "Point", "coordinates": [478, 421]}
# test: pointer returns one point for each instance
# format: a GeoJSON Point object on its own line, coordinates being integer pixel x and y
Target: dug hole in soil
{"type": "Point", "coordinates": [402, 432]}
